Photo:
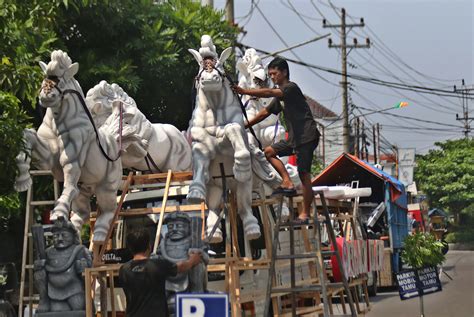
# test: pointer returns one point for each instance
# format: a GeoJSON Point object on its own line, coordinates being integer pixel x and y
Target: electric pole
{"type": "Point", "coordinates": [229, 11]}
{"type": "Point", "coordinates": [207, 3]}
{"type": "Point", "coordinates": [465, 108]}
{"type": "Point", "coordinates": [374, 142]}
{"type": "Point", "coordinates": [343, 46]}
{"type": "Point", "coordinates": [378, 142]}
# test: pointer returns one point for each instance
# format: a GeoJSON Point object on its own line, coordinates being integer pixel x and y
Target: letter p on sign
{"type": "Point", "coordinates": [193, 307]}
{"type": "Point", "coordinates": [202, 305]}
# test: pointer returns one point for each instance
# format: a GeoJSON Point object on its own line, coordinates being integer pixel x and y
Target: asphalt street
{"type": "Point", "coordinates": [456, 298]}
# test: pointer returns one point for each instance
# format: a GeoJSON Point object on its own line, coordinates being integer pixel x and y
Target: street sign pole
{"type": "Point", "coordinates": [422, 308]}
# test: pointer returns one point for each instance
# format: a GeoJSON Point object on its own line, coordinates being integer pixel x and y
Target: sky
{"type": "Point", "coordinates": [428, 43]}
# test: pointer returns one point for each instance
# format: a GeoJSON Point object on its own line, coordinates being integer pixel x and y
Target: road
{"type": "Point", "coordinates": [456, 299]}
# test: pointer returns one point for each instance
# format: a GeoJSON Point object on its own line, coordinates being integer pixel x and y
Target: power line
{"type": "Point", "coordinates": [375, 81]}
{"type": "Point", "coordinates": [285, 43]}
{"type": "Point", "coordinates": [424, 97]}
{"type": "Point", "coordinates": [412, 118]}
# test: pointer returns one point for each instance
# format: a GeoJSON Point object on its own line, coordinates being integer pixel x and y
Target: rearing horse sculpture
{"type": "Point", "coordinates": [68, 144]}
{"type": "Point", "coordinates": [145, 146]}
{"type": "Point", "coordinates": [218, 136]}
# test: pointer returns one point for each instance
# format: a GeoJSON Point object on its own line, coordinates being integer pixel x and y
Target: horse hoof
{"type": "Point", "coordinates": [216, 237]}
{"type": "Point", "coordinates": [99, 236]}
{"type": "Point", "coordinates": [252, 234]}
{"type": "Point", "coordinates": [22, 185]}
{"type": "Point", "coordinates": [195, 196]}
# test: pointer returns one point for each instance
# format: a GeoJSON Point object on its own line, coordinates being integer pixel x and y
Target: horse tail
{"type": "Point", "coordinates": [180, 147]}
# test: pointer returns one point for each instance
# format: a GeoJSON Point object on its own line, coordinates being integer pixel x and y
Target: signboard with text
{"type": "Point", "coordinates": [202, 305]}
{"type": "Point", "coordinates": [414, 283]}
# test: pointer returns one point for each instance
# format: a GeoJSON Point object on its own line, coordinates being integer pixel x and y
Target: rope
{"type": "Point", "coordinates": [86, 110]}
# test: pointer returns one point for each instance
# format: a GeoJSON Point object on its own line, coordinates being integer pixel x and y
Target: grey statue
{"type": "Point", "coordinates": [183, 237]}
{"type": "Point", "coordinates": [58, 273]}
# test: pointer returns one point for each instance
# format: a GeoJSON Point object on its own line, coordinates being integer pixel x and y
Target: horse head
{"type": "Point", "coordinates": [59, 73]}
{"type": "Point", "coordinates": [99, 101]}
{"type": "Point", "coordinates": [211, 68]}
{"type": "Point", "coordinates": [253, 70]}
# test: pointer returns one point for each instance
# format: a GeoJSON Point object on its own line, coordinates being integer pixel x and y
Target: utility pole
{"type": "Point", "coordinates": [378, 142]}
{"type": "Point", "coordinates": [207, 3]}
{"type": "Point", "coordinates": [465, 108]}
{"type": "Point", "coordinates": [357, 138]}
{"type": "Point", "coordinates": [374, 144]}
{"type": "Point", "coordinates": [344, 47]}
{"type": "Point", "coordinates": [229, 11]}
{"type": "Point", "coordinates": [363, 143]}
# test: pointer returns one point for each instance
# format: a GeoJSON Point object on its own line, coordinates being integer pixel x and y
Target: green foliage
{"type": "Point", "coordinates": [462, 236]}
{"type": "Point", "coordinates": [422, 249]}
{"type": "Point", "coordinates": [446, 175]}
{"type": "Point", "coordinates": [143, 47]}
{"type": "Point", "coordinates": [316, 166]}
{"type": "Point", "coordinates": [12, 122]}
{"type": "Point", "coordinates": [27, 35]}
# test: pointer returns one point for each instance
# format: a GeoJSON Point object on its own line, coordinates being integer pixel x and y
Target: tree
{"type": "Point", "coordinates": [446, 175]}
{"type": "Point", "coordinates": [142, 46]}
{"type": "Point", "coordinates": [27, 36]}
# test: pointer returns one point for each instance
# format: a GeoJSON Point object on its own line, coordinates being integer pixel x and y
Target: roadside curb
{"type": "Point", "coordinates": [462, 246]}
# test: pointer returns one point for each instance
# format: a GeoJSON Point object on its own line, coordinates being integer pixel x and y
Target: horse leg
{"type": "Point", "coordinates": [214, 206]}
{"type": "Point", "coordinates": [107, 201]}
{"type": "Point", "coordinates": [41, 152]}
{"type": "Point", "coordinates": [72, 173]}
{"type": "Point", "coordinates": [242, 161]}
{"type": "Point", "coordinates": [244, 206]}
{"type": "Point", "coordinates": [81, 208]}
{"type": "Point", "coordinates": [201, 160]}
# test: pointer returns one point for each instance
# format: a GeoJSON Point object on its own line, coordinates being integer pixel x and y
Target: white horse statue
{"type": "Point", "coordinates": [253, 76]}
{"type": "Point", "coordinates": [147, 146]}
{"type": "Point", "coordinates": [67, 144]}
{"type": "Point", "coordinates": [218, 136]}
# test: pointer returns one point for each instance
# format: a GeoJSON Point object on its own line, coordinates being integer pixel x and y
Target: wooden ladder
{"type": "Point", "coordinates": [27, 258]}
{"type": "Point", "coordinates": [317, 254]}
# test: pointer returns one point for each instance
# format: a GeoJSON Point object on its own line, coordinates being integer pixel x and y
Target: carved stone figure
{"type": "Point", "coordinates": [146, 146]}
{"type": "Point", "coordinates": [183, 237]}
{"type": "Point", "coordinates": [218, 136]}
{"type": "Point", "coordinates": [58, 276]}
{"type": "Point", "coordinates": [67, 143]}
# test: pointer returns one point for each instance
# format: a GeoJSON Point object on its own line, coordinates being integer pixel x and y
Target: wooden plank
{"type": "Point", "coordinates": [134, 212]}
{"type": "Point", "coordinates": [29, 198]}
{"type": "Point", "coordinates": [112, 293]}
{"type": "Point", "coordinates": [88, 292]}
{"type": "Point", "coordinates": [162, 213]}
{"type": "Point", "coordinates": [112, 223]}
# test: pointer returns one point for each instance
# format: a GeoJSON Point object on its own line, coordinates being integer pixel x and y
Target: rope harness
{"type": "Point", "coordinates": [51, 82]}
{"type": "Point", "coordinates": [211, 64]}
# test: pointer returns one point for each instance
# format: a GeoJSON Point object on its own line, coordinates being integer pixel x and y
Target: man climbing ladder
{"type": "Point", "coordinates": [303, 135]}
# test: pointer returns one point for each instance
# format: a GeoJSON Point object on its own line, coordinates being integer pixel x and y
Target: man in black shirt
{"type": "Point", "coordinates": [143, 279]}
{"type": "Point", "coordinates": [303, 135]}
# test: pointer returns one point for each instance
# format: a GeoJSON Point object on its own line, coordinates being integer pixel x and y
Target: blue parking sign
{"type": "Point", "coordinates": [202, 305]}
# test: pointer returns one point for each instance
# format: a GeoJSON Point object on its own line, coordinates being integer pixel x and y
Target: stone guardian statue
{"type": "Point", "coordinates": [58, 273]}
{"type": "Point", "coordinates": [183, 237]}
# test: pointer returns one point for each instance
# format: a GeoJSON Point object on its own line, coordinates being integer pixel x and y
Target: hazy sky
{"type": "Point", "coordinates": [417, 42]}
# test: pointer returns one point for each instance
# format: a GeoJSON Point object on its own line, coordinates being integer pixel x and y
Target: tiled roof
{"type": "Point", "coordinates": [318, 110]}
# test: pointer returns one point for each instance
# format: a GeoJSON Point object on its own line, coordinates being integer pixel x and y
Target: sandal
{"type": "Point", "coordinates": [284, 191]}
